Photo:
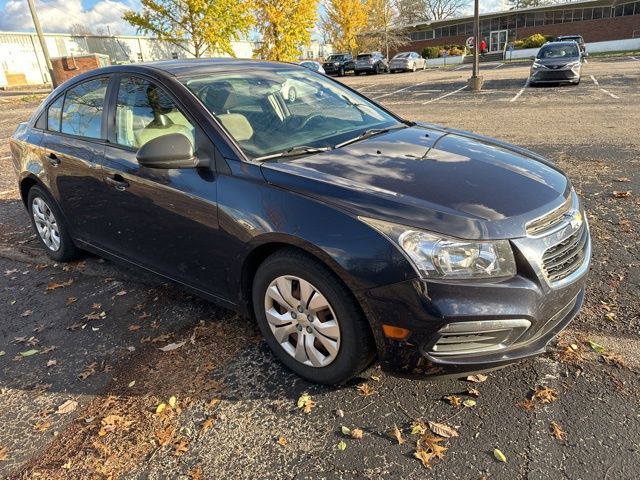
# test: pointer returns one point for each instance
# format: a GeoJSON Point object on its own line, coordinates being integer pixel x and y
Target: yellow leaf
{"type": "Point", "coordinates": [281, 441]}
{"type": "Point", "coordinates": [172, 402]}
{"type": "Point", "coordinates": [469, 402]}
{"type": "Point", "coordinates": [306, 403]}
{"type": "Point", "coordinates": [345, 430]}
{"type": "Point", "coordinates": [342, 445]}
{"type": "Point", "coordinates": [160, 408]}
{"type": "Point", "coordinates": [418, 427]}
{"type": "Point", "coordinates": [499, 455]}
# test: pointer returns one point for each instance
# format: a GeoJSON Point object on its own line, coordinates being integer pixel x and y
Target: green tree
{"type": "Point", "coordinates": [285, 26]}
{"type": "Point", "coordinates": [195, 26]}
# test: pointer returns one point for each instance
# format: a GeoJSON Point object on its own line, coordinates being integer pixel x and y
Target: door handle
{"type": "Point", "coordinates": [53, 159]}
{"type": "Point", "coordinates": [117, 182]}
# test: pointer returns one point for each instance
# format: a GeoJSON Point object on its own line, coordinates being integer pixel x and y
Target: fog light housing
{"type": "Point", "coordinates": [471, 338]}
{"type": "Point", "coordinates": [395, 333]}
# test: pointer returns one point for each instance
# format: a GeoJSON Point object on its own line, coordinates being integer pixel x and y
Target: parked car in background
{"type": "Point", "coordinates": [405, 61]}
{"type": "Point", "coordinates": [292, 89]}
{"type": "Point", "coordinates": [338, 64]}
{"type": "Point", "coordinates": [557, 62]}
{"type": "Point", "coordinates": [339, 226]}
{"type": "Point", "coordinates": [576, 38]}
{"type": "Point", "coordinates": [312, 65]}
{"type": "Point", "coordinates": [373, 62]}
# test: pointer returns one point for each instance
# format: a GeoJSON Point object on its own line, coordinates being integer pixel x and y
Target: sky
{"type": "Point", "coordinates": [59, 15]}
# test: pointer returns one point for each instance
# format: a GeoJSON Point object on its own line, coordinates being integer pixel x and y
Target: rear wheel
{"type": "Point", "coordinates": [309, 318]}
{"type": "Point", "coordinates": [49, 225]}
{"type": "Point", "coordinates": [292, 94]}
{"type": "Point", "coordinates": [341, 72]}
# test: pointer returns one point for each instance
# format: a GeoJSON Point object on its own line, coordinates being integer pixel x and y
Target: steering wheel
{"type": "Point", "coordinates": [308, 119]}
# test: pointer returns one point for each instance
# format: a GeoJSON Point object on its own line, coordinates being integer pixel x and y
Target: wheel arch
{"type": "Point", "coordinates": [26, 184]}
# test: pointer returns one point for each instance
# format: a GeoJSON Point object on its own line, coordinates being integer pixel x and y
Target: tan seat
{"type": "Point", "coordinates": [237, 125]}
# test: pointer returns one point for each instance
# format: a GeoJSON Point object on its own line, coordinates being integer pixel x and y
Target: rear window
{"type": "Point", "coordinates": [335, 58]}
{"type": "Point", "coordinates": [53, 114]}
{"type": "Point", "coordinates": [402, 55]}
{"type": "Point", "coordinates": [364, 56]}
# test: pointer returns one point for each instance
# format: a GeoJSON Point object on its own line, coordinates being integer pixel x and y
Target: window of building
{"type": "Point", "coordinates": [558, 16]}
{"type": "Point", "coordinates": [145, 111]}
{"type": "Point", "coordinates": [53, 114]}
{"type": "Point", "coordinates": [438, 33]}
{"type": "Point", "coordinates": [587, 13]}
{"type": "Point", "coordinates": [83, 107]}
{"type": "Point", "coordinates": [539, 18]}
{"type": "Point", "coordinates": [628, 9]}
{"type": "Point", "coordinates": [607, 12]}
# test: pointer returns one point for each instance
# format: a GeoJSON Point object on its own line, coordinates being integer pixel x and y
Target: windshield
{"type": "Point", "coordinates": [335, 58]}
{"type": "Point", "coordinates": [272, 111]}
{"type": "Point", "coordinates": [363, 56]}
{"type": "Point", "coordinates": [402, 55]}
{"type": "Point", "coordinates": [559, 51]}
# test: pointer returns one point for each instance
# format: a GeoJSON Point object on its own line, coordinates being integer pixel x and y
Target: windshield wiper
{"type": "Point", "coordinates": [369, 133]}
{"type": "Point", "coordinates": [294, 151]}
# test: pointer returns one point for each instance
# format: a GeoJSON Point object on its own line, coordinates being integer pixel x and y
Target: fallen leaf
{"type": "Point", "coordinates": [71, 300]}
{"type": "Point", "coordinates": [281, 441]}
{"type": "Point", "coordinates": [195, 473]}
{"type": "Point", "coordinates": [26, 313]}
{"type": "Point", "coordinates": [342, 445]}
{"type": "Point", "coordinates": [418, 427]}
{"type": "Point", "coordinates": [88, 371]}
{"type": "Point", "coordinates": [453, 400]}
{"type": "Point", "coordinates": [528, 405]}
{"type": "Point", "coordinates": [375, 378]}
{"type": "Point", "coordinates": [172, 346]}
{"type": "Point", "coordinates": [134, 328]}
{"type": "Point", "coordinates": [165, 437]}
{"type": "Point", "coordinates": [499, 455]}
{"type": "Point", "coordinates": [132, 383]}
{"type": "Point", "coordinates": [2, 353]}
{"type": "Point", "coordinates": [557, 432]}
{"type": "Point", "coordinates": [424, 456]}
{"type": "Point", "coordinates": [306, 403]}
{"type": "Point", "coordinates": [479, 378]}
{"type": "Point", "coordinates": [160, 408]}
{"type": "Point", "coordinates": [622, 194]}
{"type": "Point", "coordinates": [365, 390]}
{"type": "Point", "coordinates": [443, 430]}
{"type": "Point", "coordinates": [3, 454]}
{"type": "Point", "coordinates": [427, 448]}
{"type": "Point", "coordinates": [55, 285]}
{"type": "Point", "coordinates": [28, 353]}
{"type": "Point", "coordinates": [545, 394]}
{"type": "Point", "coordinates": [172, 402]}
{"type": "Point", "coordinates": [52, 363]}
{"type": "Point", "coordinates": [357, 433]}
{"type": "Point", "coordinates": [345, 430]}
{"type": "Point", "coordinates": [67, 407]}
{"type": "Point", "coordinates": [614, 359]}
{"type": "Point", "coordinates": [469, 402]}
{"type": "Point", "coordinates": [42, 425]}
{"type": "Point", "coordinates": [180, 447]}
{"type": "Point", "coordinates": [121, 292]}
{"type": "Point", "coordinates": [596, 347]}
{"type": "Point", "coordinates": [206, 425]}
{"type": "Point", "coordinates": [397, 434]}
{"type": "Point", "coordinates": [474, 392]}
{"type": "Point", "coordinates": [339, 413]}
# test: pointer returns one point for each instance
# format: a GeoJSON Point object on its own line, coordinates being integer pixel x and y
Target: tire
{"type": "Point", "coordinates": [292, 95]}
{"type": "Point", "coordinates": [41, 205]}
{"type": "Point", "coordinates": [351, 341]}
{"type": "Point", "coordinates": [414, 68]}
{"type": "Point", "coordinates": [341, 72]}
{"type": "Point", "coordinates": [377, 69]}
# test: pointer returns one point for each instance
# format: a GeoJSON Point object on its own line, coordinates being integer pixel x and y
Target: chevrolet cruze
{"type": "Point", "coordinates": [348, 233]}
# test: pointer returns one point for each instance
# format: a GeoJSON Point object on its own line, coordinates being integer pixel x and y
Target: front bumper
{"type": "Point", "coordinates": [431, 310]}
{"type": "Point", "coordinates": [554, 76]}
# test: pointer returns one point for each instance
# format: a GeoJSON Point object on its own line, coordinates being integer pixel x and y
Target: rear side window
{"type": "Point", "coordinates": [53, 114]}
{"type": "Point", "coordinates": [83, 107]}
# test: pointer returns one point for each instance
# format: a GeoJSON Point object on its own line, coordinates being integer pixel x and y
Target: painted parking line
{"type": "Point", "coordinates": [594, 80]}
{"type": "Point", "coordinates": [609, 93]}
{"type": "Point", "coordinates": [635, 58]}
{"type": "Point", "coordinates": [498, 66]}
{"type": "Point", "coordinates": [444, 96]}
{"type": "Point", "coordinates": [398, 91]}
{"type": "Point", "coordinates": [461, 67]}
{"type": "Point", "coordinates": [517, 95]}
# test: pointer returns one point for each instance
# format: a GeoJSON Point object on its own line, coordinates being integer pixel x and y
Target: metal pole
{"type": "Point", "coordinates": [475, 82]}
{"type": "Point", "coordinates": [43, 44]}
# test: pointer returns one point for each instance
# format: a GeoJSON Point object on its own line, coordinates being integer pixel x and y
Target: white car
{"type": "Point", "coordinates": [405, 61]}
{"type": "Point", "coordinates": [311, 65]}
{"type": "Point", "coordinates": [292, 89]}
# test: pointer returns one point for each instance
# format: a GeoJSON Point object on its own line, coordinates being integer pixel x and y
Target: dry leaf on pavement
{"type": "Point", "coordinates": [365, 390]}
{"type": "Point", "coordinates": [281, 441]}
{"type": "Point", "coordinates": [443, 430]}
{"type": "Point", "coordinates": [397, 434]}
{"type": "Point", "coordinates": [499, 455]}
{"type": "Point", "coordinates": [545, 394]}
{"type": "Point", "coordinates": [557, 432]}
{"type": "Point", "coordinates": [306, 403]}
{"type": "Point", "coordinates": [479, 378]}
{"type": "Point", "coordinates": [3, 454]}
{"type": "Point", "coordinates": [67, 407]}
{"type": "Point", "coordinates": [453, 400]}
{"type": "Point", "coordinates": [207, 424]}
{"type": "Point", "coordinates": [172, 346]}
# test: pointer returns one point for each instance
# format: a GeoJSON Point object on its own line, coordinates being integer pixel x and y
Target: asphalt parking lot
{"type": "Point", "coordinates": [86, 403]}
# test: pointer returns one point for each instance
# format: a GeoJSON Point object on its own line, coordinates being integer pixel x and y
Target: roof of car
{"type": "Point", "coordinates": [565, 42]}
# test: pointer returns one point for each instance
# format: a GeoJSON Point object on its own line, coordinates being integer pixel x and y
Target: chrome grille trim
{"type": "Point", "coordinates": [550, 220]}
{"type": "Point", "coordinates": [566, 257]}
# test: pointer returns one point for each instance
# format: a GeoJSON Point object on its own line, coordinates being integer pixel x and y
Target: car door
{"type": "Point", "coordinates": [162, 219]}
{"type": "Point", "coordinates": [72, 146]}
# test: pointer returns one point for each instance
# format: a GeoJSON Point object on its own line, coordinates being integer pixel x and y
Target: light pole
{"type": "Point", "coordinates": [43, 44]}
{"type": "Point", "coordinates": [475, 82]}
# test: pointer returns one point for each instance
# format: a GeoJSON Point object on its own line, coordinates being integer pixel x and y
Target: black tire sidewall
{"type": "Point", "coordinates": [356, 344]}
{"type": "Point", "coordinates": [67, 250]}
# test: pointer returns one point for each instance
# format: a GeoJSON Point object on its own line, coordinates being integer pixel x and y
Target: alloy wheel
{"type": "Point", "coordinates": [46, 224]}
{"type": "Point", "coordinates": [302, 321]}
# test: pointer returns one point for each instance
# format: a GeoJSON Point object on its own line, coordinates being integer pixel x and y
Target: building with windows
{"type": "Point", "coordinates": [595, 20]}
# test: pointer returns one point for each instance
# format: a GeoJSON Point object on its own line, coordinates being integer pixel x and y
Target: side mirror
{"type": "Point", "coordinates": [173, 150]}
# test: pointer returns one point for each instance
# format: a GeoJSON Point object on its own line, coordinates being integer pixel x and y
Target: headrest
{"type": "Point", "coordinates": [237, 125]}
{"type": "Point", "coordinates": [220, 97]}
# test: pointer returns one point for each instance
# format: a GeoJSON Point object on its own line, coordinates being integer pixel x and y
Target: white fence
{"type": "Point", "coordinates": [442, 61]}
{"type": "Point", "coordinates": [592, 47]}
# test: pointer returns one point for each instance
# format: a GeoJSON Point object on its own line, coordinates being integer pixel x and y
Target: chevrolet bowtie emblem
{"type": "Point", "coordinates": [576, 220]}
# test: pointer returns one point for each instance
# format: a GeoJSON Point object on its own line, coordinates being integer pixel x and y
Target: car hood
{"type": "Point", "coordinates": [441, 180]}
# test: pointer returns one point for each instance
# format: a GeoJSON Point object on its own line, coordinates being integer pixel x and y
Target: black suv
{"type": "Point", "coordinates": [338, 63]}
{"type": "Point", "coordinates": [373, 62]}
{"type": "Point", "coordinates": [576, 38]}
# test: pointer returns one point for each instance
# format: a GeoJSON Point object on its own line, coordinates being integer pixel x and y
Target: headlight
{"type": "Point", "coordinates": [536, 65]}
{"type": "Point", "coordinates": [437, 256]}
{"type": "Point", "coordinates": [573, 65]}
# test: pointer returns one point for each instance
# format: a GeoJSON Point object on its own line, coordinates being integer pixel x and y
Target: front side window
{"type": "Point", "coordinates": [270, 111]}
{"type": "Point", "coordinates": [83, 107]}
{"type": "Point", "coordinates": [53, 114]}
{"type": "Point", "coordinates": [145, 111]}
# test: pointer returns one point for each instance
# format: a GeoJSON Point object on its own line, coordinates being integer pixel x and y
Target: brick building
{"type": "Point", "coordinates": [595, 20]}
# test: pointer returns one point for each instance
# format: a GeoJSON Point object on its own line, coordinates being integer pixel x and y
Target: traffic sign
{"type": "Point", "coordinates": [470, 42]}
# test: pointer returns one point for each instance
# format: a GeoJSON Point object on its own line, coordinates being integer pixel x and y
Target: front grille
{"type": "Point", "coordinates": [564, 258]}
{"type": "Point", "coordinates": [550, 220]}
{"type": "Point", "coordinates": [556, 75]}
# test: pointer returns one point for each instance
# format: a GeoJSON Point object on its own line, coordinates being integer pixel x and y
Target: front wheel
{"type": "Point", "coordinates": [341, 72]}
{"type": "Point", "coordinates": [309, 319]}
{"type": "Point", "coordinates": [49, 225]}
{"type": "Point", "coordinates": [293, 95]}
